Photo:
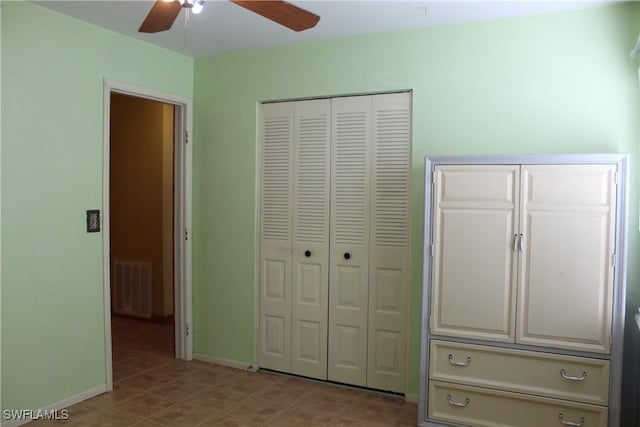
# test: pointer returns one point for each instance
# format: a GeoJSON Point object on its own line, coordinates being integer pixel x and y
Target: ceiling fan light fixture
{"type": "Point", "coordinates": [163, 13]}
{"type": "Point", "coordinates": [197, 6]}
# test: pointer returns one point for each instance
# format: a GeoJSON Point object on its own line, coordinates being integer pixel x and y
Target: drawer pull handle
{"type": "Point", "coordinates": [453, 362]}
{"type": "Point", "coordinates": [460, 404]}
{"type": "Point", "coordinates": [564, 375]}
{"type": "Point", "coordinates": [578, 423]}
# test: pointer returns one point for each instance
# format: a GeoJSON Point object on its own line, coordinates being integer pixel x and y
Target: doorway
{"type": "Point", "coordinates": [141, 203]}
{"type": "Point", "coordinates": [146, 223]}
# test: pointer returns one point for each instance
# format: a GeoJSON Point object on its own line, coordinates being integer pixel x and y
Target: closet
{"type": "Point", "coordinates": [334, 238]}
{"type": "Point", "coordinates": [523, 291]}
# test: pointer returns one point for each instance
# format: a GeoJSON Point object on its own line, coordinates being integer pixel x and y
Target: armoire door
{"type": "Point", "coordinates": [568, 228]}
{"type": "Point", "coordinates": [349, 243]}
{"type": "Point", "coordinates": [475, 251]}
{"type": "Point", "coordinates": [310, 282]}
{"type": "Point", "coordinates": [274, 338]}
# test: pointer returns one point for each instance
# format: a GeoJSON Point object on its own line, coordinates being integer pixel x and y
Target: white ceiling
{"type": "Point", "coordinates": [223, 26]}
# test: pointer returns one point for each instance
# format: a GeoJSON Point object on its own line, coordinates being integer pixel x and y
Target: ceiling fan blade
{"type": "Point", "coordinates": [283, 13]}
{"type": "Point", "coordinates": [160, 17]}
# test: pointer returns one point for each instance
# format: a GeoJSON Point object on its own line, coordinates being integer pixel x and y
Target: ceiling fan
{"type": "Point", "coordinates": [164, 12]}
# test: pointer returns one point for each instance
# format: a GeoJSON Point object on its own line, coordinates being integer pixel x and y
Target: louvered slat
{"type": "Point", "coordinates": [391, 177]}
{"type": "Point", "coordinates": [351, 187]}
{"type": "Point", "coordinates": [311, 179]}
{"type": "Point", "coordinates": [276, 177]}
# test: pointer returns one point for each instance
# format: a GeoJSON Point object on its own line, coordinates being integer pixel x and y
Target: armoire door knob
{"type": "Point", "coordinates": [307, 253]}
{"type": "Point", "coordinates": [347, 255]}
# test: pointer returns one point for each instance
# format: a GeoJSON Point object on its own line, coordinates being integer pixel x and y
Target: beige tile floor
{"type": "Point", "coordinates": [151, 389]}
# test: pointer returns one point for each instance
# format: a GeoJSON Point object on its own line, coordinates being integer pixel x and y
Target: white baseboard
{"type": "Point", "coordinates": [226, 362]}
{"type": "Point", "coordinates": [412, 398]}
{"type": "Point", "coordinates": [60, 404]}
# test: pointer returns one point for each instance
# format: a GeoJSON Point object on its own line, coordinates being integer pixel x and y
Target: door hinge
{"type": "Point", "coordinates": [187, 329]}
{"type": "Point", "coordinates": [613, 259]}
{"type": "Point", "coordinates": [186, 136]}
{"type": "Point", "coordinates": [433, 248]}
{"type": "Point", "coordinates": [616, 177]}
{"type": "Point", "coordinates": [186, 234]}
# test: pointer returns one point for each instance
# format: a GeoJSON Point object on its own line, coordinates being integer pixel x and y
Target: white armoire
{"type": "Point", "coordinates": [334, 238]}
{"type": "Point", "coordinates": [523, 304]}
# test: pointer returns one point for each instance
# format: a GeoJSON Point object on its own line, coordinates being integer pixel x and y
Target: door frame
{"type": "Point", "coordinates": [183, 117]}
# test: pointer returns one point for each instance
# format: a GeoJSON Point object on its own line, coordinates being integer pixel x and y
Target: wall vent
{"type": "Point", "coordinates": [132, 288]}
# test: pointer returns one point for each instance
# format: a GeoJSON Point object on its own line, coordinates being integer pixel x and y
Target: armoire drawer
{"type": "Point", "coordinates": [564, 377]}
{"type": "Point", "coordinates": [479, 407]}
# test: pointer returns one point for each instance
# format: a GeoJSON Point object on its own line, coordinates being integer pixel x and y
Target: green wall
{"type": "Point", "coordinates": [560, 83]}
{"type": "Point", "coordinates": [52, 108]}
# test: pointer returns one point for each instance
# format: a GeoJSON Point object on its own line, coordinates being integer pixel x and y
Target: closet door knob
{"type": "Point", "coordinates": [347, 255]}
{"type": "Point", "coordinates": [307, 253]}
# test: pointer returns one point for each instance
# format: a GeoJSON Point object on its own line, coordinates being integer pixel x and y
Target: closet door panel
{"type": "Point", "coordinates": [349, 242]}
{"type": "Point", "coordinates": [311, 238]}
{"type": "Point", "coordinates": [389, 242]}
{"type": "Point", "coordinates": [568, 215]}
{"type": "Point", "coordinates": [275, 237]}
{"type": "Point", "coordinates": [386, 364]}
{"type": "Point", "coordinates": [474, 265]}
{"type": "Point", "coordinates": [347, 318]}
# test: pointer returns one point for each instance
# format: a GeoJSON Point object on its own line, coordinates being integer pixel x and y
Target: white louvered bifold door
{"type": "Point", "coordinates": [310, 286]}
{"type": "Point", "coordinates": [349, 263]}
{"type": "Point", "coordinates": [276, 236]}
{"type": "Point", "coordinates": [389, 241]}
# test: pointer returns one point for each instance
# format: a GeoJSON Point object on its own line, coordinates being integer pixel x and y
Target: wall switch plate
{"type": "Point", "coordinates": [93, 221]}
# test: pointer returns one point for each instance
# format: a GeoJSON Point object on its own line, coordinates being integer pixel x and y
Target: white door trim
{"type": "Point", "coordinates": [182, 217]}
